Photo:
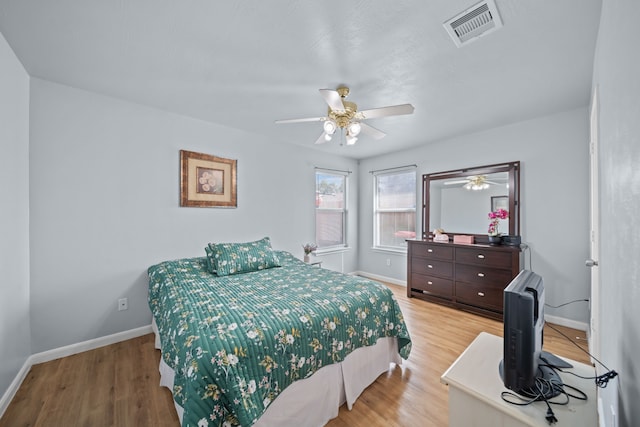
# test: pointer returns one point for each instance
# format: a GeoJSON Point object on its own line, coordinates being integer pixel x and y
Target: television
{"type": "Point", "coordinates": [525, 368]}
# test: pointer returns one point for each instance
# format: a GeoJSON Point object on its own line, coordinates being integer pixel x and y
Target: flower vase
{"type": "Point", "coordinates": [495, 240]}
{"type": "Point", "coordinates": [306, 258]}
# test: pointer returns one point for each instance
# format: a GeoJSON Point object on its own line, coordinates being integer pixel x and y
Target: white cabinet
{"type": "Point", "coordinates": [475, 389]}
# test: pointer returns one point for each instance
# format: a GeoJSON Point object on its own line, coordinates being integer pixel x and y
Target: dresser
{"type": "Point", "coordinates": [467, 277]}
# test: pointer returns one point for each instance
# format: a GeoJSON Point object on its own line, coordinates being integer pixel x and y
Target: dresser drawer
{"type": "Point", "coordinates": [489, 297]}
{"type": "Point", "coordinates": [484, 276]}
{"type": "Point", "coordinates": [432, 285]}
{"type": "Point", "coordinates": [481, 256]}
{"type": "Point", "coordinates": [433, 251]}
{"type": "Point", "coordinates": [432, 267]}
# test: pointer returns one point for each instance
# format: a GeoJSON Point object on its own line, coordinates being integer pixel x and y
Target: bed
{"type": "Point", "coordinates": [285, 345]}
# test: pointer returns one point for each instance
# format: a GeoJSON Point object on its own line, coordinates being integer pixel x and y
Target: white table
{"type": "Point", "coordinates": [475, 389]}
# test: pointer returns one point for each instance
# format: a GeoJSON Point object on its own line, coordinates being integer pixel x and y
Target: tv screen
{"type": "Point", "coordinates": [521, 368]}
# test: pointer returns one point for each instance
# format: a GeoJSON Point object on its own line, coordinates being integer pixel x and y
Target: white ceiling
{"type": "Point", "coordinates": [245, 64]}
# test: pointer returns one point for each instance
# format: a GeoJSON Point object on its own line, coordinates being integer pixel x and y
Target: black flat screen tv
{"type": "Point", "coordinates": [524, 368]}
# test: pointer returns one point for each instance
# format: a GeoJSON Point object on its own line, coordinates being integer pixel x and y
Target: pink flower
{"type": "Point", "coordinates": [495, 218]}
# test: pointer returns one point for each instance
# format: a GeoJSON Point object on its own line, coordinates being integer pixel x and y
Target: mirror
{"type": "Point", "coordinates": [459, 201]}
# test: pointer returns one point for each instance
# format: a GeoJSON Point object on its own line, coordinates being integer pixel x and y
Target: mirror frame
{"type": "Point", "coordinates": [513, 169]}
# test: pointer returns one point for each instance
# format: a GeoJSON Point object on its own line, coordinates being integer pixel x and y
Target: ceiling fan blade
{"type": "Point", "coordinates": [394, 110]}
{"type": "Point", "coordinates": [333, 99]}
{"type": "Point", "coordinates": [455, 182]}
{"type": "Point", "coordinates": [310, 119]}
{"type": "Point", "coordinates": [371, 131]}
{"type": "Point", "coordinates": [321, 139]}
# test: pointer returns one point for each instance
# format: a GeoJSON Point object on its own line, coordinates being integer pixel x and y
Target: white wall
{"type": "Point", "coordinates": [15, 345]}
{"type": "Point", "coordinates": [553, 152]}
{"type": "Point", "coordinates": [104, 191]}
{"type": "Point", "coordinates": [616, 71]}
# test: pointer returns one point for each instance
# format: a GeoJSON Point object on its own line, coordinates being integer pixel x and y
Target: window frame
{"type": "Point", "coordinates": [376, 210]}
{"type": "Point", "coordinates": [345, 211]}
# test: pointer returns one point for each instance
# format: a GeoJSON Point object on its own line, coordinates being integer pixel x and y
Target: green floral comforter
{"type": "Point", "coordinates": [236, 342]}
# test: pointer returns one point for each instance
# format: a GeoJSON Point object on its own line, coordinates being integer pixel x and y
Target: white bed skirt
{"type": "Point", "coordinates": [316, 400]}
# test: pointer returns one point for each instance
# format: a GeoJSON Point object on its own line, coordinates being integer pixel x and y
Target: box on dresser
{"type": "Point", "coordinates": [470, 277]}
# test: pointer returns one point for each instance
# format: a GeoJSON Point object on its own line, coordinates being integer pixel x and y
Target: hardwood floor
{"type": "Point", "coordinates": [117, 385]}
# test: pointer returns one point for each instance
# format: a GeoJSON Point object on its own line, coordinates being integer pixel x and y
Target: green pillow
{"type": "Point", "coordinates": [210, 261]}
{"type": "Point", "coordinates": [236, 258]}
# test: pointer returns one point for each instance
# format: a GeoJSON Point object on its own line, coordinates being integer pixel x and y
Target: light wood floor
{"type": "Point", "coordinates": [117, 385]}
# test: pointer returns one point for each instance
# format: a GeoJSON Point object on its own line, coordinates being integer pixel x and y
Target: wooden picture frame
{"type": "Point", "coordinates": [207, 181]}
{"type": "Point", "coordinates": [499, 202]}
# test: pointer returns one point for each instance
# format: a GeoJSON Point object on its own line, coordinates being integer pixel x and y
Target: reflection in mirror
{"type": "Point", "coordinates": [459, 201]}
{"type": "Point", "coordinates": [466, 209]}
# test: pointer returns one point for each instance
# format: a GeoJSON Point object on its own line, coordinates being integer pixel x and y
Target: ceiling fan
{"type": "Point", "coordinates": [344, 115]}
{"type": "Point", "coordinates": [474, 182]}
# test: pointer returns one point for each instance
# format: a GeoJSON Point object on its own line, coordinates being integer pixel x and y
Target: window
{"type": "Point", "coordinates": [331, 209]}
{"type": "Point", "coordinates": [394, 209]}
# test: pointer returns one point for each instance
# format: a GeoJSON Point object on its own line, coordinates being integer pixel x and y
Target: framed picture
{"type": "Point", "coordinates": [207, 181]}
{"type": "Point", "coordinates": [499, 202]}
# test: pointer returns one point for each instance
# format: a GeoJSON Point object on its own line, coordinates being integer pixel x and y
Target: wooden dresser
{"type": "Point", "coordinates": [467, 277]}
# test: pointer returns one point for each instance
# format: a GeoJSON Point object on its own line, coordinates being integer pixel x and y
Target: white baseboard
{"type": "Point", "coordinates": [65, 351]}
{"type": "Point", "coordinates": [562, 321]}
{"type": "Point", "coordinates": [380, 278]}
{"type": "Point", "coordinates": [14, 386]}
{"type": "Point", "coordinates": [80, 347]}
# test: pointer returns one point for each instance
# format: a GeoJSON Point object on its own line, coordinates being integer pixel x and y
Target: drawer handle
{"type": "Point", "coordinates": [429, 282]}
{"type": "Point", "coordinates": [429, 266]}
{"type": "Point", "coordinates": [480, 274]}
{"type": "Point", "coordinates": [480, 256]}
{"type": "Point", "coordinates": [480, 294]}
{"type": "Point", "coordinates": [430, 250]}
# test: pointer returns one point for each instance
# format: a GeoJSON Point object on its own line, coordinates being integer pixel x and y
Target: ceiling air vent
{"type": "Point", "coordinates": [473, 23]}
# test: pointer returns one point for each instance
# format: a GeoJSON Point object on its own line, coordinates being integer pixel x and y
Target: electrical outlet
{"type": "Point", "coordinates": [123, 304]}
{"type": "Point", "coordinates": [388, 262]}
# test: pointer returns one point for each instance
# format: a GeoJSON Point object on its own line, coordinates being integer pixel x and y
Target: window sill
{"type": "Point", "coordinates": [397, 251]}
{"type": "Point", "coordinates": [328, 251]}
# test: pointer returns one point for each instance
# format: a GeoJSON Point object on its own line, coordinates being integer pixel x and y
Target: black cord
{"type": "Point", "coordinates": [572, 342]}
{"type": "Point", "coordinates": [545, 389]}
{"type": "Point", "coordinates": [566, 303]}
{"type": "Point", "coordinates": [523, 401]}
{"type": "Point", "coordinates": [601, 380]}
{"type": "Point", "coordinates": [582, 396]}
{"type": "Point", "coordinates": [550, 417]}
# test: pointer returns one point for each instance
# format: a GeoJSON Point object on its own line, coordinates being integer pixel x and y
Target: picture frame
{"type": "Point", "coordinates": [207, 181]}
{"type": "Point", "coordinates": [499, 202]}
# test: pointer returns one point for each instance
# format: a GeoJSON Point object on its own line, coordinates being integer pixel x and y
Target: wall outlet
{"type": "Point", "coordinates": [388, 262]}
{"type": "Point", "coordinates": [123, 304]}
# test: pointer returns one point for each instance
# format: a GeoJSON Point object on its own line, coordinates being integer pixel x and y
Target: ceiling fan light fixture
{"type": "Point", "coordinates": [344, 115]}
{"type": "Point", "coordinates": [475, 186]}
{"type": "Point", "coordinates": [329, 127]}
{"type": "Point", "coordinates": [477, 183]}
{"type": "Point", "coordinates": [354, 128]}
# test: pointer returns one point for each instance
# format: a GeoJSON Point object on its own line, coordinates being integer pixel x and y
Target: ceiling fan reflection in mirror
{"type": "Point", "coordinates": [474, 182]}
{"type": "Point", "coordinates": [344, 115]}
